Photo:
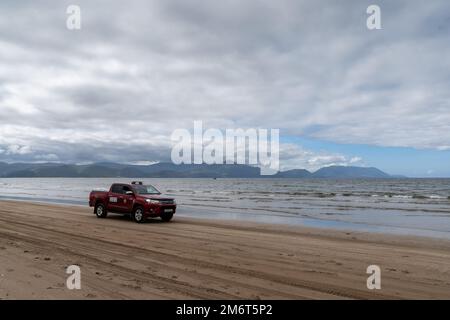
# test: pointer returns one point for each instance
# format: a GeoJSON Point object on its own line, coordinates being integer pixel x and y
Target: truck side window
{"type": "Point", "coordinates": [117, 188]}
{"type": "Point", "coordinates": [125, 189]}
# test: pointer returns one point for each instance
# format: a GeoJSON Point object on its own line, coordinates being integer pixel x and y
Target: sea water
{"type": "Point", "coordinates": [402, 206]}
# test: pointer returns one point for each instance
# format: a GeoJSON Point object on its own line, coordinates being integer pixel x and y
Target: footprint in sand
{"type": "Point", "coordinates": [135, 287]}
{"type": "Point", "coordinates": [391, 269]}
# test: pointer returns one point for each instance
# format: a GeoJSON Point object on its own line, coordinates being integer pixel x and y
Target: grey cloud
{"type": "Point", "coordinates": [136, 71]}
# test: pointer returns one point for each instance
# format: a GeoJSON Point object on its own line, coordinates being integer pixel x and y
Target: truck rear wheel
{"type": "Point", "coordinates": [138, 215]}
{"type": "Point", "coordinates": [166, 217]}
{"type": "Point", "coordinates": [100, 211]}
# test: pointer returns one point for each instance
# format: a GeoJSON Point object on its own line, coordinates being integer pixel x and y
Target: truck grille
{"type": "Point", "coordinates": [166, 201]}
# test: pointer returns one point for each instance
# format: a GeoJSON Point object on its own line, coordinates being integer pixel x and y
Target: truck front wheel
{"type": "Point", "coordinates": [100, 211]}
{"type": "Point", "coordinates": [138, 215]}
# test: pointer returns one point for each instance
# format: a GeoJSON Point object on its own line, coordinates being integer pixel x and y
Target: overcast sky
{"type": "Point", "coordinates": [339, 93]}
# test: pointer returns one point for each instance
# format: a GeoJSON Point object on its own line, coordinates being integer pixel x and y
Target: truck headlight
{"type": "Point", "coordinates": [152, 201]}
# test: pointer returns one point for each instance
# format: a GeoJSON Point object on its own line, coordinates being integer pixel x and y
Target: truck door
{"type": "Point", "coordinates": [115, 198]}
{"type": "Point", "coordinates": [128, 200]}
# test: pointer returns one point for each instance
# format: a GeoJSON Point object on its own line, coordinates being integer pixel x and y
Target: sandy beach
{"type": "Point", "coordinates": [206, 259]}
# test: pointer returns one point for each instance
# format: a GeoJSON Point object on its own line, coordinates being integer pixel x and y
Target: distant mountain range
{"type": "Point", "coordinates": [169, 170]}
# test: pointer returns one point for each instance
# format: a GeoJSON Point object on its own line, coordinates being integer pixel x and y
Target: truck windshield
{"type": "Point", "coordinates": [140, 189]}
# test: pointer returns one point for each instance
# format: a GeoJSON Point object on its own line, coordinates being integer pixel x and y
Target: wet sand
{"type": "Point", "coordinates": [206, 259]}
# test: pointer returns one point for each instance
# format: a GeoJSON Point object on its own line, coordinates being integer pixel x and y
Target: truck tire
{"type": "Point", "coordinates": [138, 215]}
{"type": "Point", "coordinates": [166, 217]}
{"type": "Point", "coordinates": [100, 211]}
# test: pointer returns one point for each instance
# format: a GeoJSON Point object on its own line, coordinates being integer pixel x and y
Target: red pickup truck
{"type": "Point", "coordinates": [135, 199]}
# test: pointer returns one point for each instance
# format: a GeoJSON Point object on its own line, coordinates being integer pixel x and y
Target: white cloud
{"type": "Point", "coordinates": [355, 160]}
{"type": "Point", "coordinates": [18, 150]}
{"type": "Point", "coordinates": [293, 156]}
{"type": "Point", "coordinates": [47, 157]}
{"type": "Point", "coordinates": [142, 163]}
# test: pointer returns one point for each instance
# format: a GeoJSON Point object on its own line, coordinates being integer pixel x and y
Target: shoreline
{"type": "Point", "coordinates": [206, 259]}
